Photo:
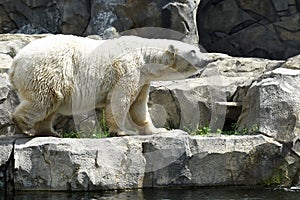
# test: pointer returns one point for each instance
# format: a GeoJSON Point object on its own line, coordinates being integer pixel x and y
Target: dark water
{"type": "Point", "coordinates": [231, 193]}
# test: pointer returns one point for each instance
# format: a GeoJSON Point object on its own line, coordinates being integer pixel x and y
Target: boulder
{"type": "Point", "coordinates": [191, 104]}
{"type": "Point", "coordinates": [168, 159]}
{"type": "Point", "coordinates": [268, 29]}
{"type": "Point", "coordinates": [272, 104]}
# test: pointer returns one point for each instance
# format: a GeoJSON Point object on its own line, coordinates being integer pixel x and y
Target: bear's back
{"type": "Point", "coordinates": [50, 60]}
{"type": "Point", "coordinates": [58, 45]}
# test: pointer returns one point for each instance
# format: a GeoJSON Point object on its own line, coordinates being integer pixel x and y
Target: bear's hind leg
{"type": "Point", "coordinates": [44, 127]}
{"type": "Point", "coordinates": [26, 115]}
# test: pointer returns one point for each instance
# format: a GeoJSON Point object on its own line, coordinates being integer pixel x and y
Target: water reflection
{"type": "Point", "coordinates": [163, 194]}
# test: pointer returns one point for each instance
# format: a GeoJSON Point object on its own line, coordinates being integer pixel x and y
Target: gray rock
{"type": "Point", "coordinates": [167, 159]}
{"type": "Point", "coordinates": [268, 29]}
{"type": "Point", "coordinates": [238, 66]}
{"type": "Point", "coordinates": [214, 98]}
{"type": "Point", "coordinates": [86, 164]}
{"type": "Point", "coordinates": [8, 103]}
{"type": "Point", "coordinates": [292, 63]}
{"type": "Point", "coordinates": [6, 162]}
{"type": "Point", "coordinates": [178, 15]}
{"type": "Point", "coordinates": [190, 104]}
{"type": "Point", "coordinates": [272, 104]}
{"type": "Point", "coordinates": [94, 17]}
{"type": "Point", "coordinates": [280, 5]}
{"type": "Point", "coordinates": [206, 161]}
{"type": "Point", "coordinates": [46, 16]}
{"type": "Point", "coordinates": [6, 62]}
{"type": "Point", "coordinates": [10, 44]}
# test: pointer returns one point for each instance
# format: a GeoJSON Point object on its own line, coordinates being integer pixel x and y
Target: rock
{"type": "Point", "coordinates": [230, 8]}
{"type": "Point", "coordinates": [238, 66]}
{"type": "Point", "coordinates": [292, 63]}
{"type": "Point", "coordinates": [190, 104]}
{"type": "Point", "coordinates": [47, 16]}
{"type": "Point", "coordinates": [215, 161]}
{"type": "Point", "coordinates": [280, 5]}
{"type": "Point", "coordinates": [296, 146]}
{"type": "Point", "coordinates": [10, 44]}
{"type": "Point", "coordinates": [261, 9]}
{"type": "Point", "coordinates": [110, 33]}
{"type": "Point", "coordinates": [167, 159]}
{"type": "Point", "coordinates": [6, 162]}
{"type": "Point", "coordinates": [268, 29]}
{"type": "Point", "coordinates": [179, 16]}
{"type": "Point", "coordinates": [272, 104]}
{"type": "Point", "coordinates": [6, 62]}
{"type": "Point", "coordinates": [213, 98]}
{"type": "Point", "coordinates": [75, 16]}
{"type": "Point", "coordinates": [94, 17]}
{"type": "Point", "coordinates": [6, 24]}
{"type": "Point", "coordinates": [8, 102]}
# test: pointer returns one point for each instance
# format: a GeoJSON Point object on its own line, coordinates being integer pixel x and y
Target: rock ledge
{"type": "Point", "coordinates": [169, 159]}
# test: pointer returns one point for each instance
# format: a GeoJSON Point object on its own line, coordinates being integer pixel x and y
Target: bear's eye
{"type": "Point", "coordinates": [193, 53]}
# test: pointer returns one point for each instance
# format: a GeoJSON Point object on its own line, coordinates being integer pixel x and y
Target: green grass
{"type": "Point", "coordinates": [101, 131]}
{"type": "Point", "coordinates": [72, 134]}
{"type": "Point", "coordinates": [199, 131]}
{"type": "Point", "coordinates": [233, 130]}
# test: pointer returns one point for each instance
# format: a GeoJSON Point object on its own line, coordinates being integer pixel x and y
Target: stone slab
{"type": "Point", "coordinates": [168, 159]}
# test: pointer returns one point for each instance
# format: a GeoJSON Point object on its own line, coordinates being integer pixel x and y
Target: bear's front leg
{"type": "Point", "coordinates": [118, 104]}
{"type": "Point", "coordinates": [115, 124]}
{"type": "Point", "coordinates": [139, 113]}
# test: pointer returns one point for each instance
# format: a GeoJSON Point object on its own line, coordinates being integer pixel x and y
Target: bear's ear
{"type": "Point", "coordinates": [172, 49]}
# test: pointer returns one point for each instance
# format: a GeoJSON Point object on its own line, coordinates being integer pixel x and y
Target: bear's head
{"type": "Point", "coordinates": [178, 61]}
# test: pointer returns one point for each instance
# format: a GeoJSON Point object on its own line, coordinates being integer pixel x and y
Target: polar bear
{"type": "Point", "coordinates": [69, 75]}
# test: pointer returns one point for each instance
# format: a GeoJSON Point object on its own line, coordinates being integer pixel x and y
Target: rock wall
{"type": "Point", "coordinates": [95, 16]}
{"type": "Point", "coordinates": [268, 28]}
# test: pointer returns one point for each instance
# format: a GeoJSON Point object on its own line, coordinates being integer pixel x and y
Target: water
{"type": "Point", "coordinates": [226, 193]}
